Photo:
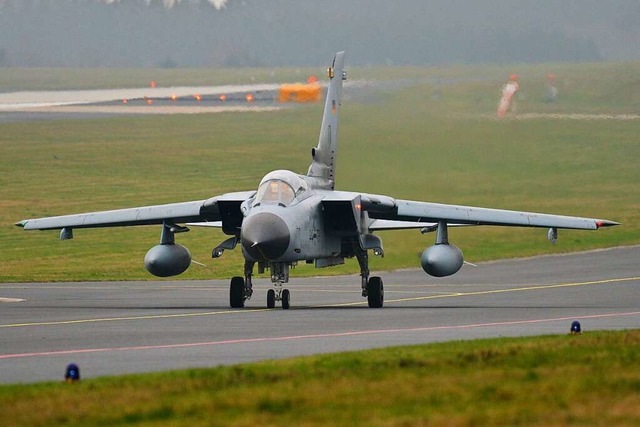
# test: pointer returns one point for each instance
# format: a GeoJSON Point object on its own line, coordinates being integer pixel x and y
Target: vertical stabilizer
{"type": "Point", "coordinates": [324, 155]}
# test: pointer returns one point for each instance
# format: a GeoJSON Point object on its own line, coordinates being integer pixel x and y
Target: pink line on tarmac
{"type": "Point", "coordinates": [311, 336]}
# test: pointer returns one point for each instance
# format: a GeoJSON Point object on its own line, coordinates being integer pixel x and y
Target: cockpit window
{"type": "Point", "coordinates": [275, 191]}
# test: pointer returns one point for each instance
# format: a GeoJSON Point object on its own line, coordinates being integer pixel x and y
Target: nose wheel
{"type": "Point", "coordinates": [278, 294]}
{"type": "Point", "coordinates": [286, 296]}
{"type": "Point", "coordinates": [271, 298]}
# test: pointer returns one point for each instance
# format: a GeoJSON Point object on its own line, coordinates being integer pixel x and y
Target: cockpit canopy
{"type": "Point", "coordinates": [280, 187]}
{"type": "Point", "coordinates": [274, 191]}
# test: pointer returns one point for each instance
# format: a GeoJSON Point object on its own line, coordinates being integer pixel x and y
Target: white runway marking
{"type": "Point", "coordinates": [151, 109]}
{"type": "Point", "coordinates": [27, 99]}
{"type": "Point", "coordinates": [11, 300]}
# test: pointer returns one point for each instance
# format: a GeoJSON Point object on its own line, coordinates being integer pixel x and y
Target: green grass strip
{"type": "Point", "coordinates": [430, 135]}
{"type": "Point", "coordinates": [589, 379]}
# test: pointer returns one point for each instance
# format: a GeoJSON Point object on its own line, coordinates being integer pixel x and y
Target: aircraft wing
{"type": "Point", "coordinates": [388, 213]}
{"type": "Point", "coordinates": [413, 211]}
{"type": "Point", "coordinates": [389, 224]}
{"type": "Point", "coordinates": [225, 208]}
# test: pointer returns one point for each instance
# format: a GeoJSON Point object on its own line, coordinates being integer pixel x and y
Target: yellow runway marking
{"type": "Point", "coordinates": [115, 319]}
{"type": "Point", "coordinates": [528, 288]}
{"type": "Point", "coordinates": [496, 291]}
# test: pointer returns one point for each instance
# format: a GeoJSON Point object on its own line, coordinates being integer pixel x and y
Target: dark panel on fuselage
{"type": "Point", "coordinates": [231, 217]}
{"type": "Point", "coordinates": [341, 217]}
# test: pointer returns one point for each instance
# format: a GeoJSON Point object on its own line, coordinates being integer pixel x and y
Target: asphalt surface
{"type": "Point", "coordinates": [135, 107]}
{"type": "Point", "coordinates": [125, 327]}
{"type": "Point", "coordinates": [29, 106]}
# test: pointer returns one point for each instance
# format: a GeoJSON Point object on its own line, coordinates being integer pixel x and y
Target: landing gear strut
{"type": "Point", "coordinates": [372, 288]}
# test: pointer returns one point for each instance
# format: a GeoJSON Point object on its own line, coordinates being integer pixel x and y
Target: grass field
{"type": "Point", "coordinates": [432, 138]}
{"type": "Point", "coordinates": [591, 379]}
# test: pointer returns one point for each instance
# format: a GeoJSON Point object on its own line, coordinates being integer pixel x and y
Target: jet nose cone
{"type": "Point", "coordinates": [265, 236]}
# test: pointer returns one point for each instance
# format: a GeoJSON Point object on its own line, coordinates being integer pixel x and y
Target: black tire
{"type": "Point", "coordinates": [271, 298]}
{"type": "Point", "coordinates": [375, 292]}
{"type": "Point", "coordinates": [236, 292]}
{"type": "Point", "coordinates": [286, 298]}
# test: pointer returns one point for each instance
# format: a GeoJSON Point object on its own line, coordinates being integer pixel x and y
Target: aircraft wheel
{"type": "Point", "coordinates": [271, 298]}
{"type": "Point", "coordinates": [286, 297]}
{"type": "Point", "coordinates": [375, 292]}
{"type": "Point", "coordinates": [236, 292]}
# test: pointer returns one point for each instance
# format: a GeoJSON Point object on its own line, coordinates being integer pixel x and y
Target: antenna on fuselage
{"type": "Point", "coordinates": [324, 154]}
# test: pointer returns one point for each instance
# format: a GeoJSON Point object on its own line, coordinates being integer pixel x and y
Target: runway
{"type": "Point", "coordinates": [128, 327]}
{"type": "Point", "coordinates": [89, 104]}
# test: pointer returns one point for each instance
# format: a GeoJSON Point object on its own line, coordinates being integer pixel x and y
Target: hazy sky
{"type": "Point", "coordinates": [195, 33]}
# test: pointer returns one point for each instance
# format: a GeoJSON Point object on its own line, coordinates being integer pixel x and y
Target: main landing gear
{"type": "Point", "coordinates": [375, 292]}
{"type": "Point", "coordinates": [241, 288]}
{"type": "Point", "coordinates": [372, 287]}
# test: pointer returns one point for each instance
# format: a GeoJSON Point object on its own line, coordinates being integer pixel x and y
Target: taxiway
{"type": "Point", "coordinates": [129, 327]}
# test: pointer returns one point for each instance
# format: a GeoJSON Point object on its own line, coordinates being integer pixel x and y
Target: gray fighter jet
{"type": "Point", "coordinates": [292, 218]}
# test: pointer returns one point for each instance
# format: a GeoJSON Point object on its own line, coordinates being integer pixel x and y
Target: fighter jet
{"type": "Point", "coordinates": [293, 218]}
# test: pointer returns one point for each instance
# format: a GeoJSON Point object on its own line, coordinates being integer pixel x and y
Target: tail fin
{"type": "Point", "coordinates": [324, 155]}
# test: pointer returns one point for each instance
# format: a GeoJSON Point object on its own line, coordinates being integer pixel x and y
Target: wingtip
{"type": "Point", "coordinates": [604, 223]}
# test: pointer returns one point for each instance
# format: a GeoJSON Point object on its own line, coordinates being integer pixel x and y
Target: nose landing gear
{"type": "Point", "coordinates": [279, 276]}
{"type": "Point", "coordinates": [241, 288]}
{"type": "Point", "coordinates": [278, 294]}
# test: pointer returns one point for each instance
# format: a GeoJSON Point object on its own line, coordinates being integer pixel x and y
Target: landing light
{"type": "Point", "coordinates": [217, 253]}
